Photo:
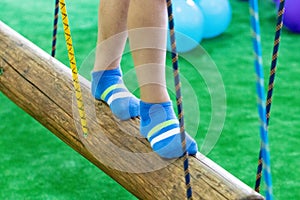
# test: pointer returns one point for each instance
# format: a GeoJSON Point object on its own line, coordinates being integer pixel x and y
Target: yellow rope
{"type": "Point", "coordinates": [73, 66]}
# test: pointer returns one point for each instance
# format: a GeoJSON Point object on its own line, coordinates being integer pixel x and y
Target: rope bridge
{"type": "Point", "coordinates": [264, 113]}
{"type": "Point", "coordinates": [218, 184]}
{"type": "Point", "coordinates": [43, 87]}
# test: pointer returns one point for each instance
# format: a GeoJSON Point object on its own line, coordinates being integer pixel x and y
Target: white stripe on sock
{"type": "Point", "coordinates": [165, 135]}
{"type": "Point", "coordinates": [117, 96]}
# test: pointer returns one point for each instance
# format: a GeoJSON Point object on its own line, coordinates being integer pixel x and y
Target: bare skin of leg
{"type": "Point", "coordinates": [112, 33]}
{"type": "Point", "coordinates": [148, 47]}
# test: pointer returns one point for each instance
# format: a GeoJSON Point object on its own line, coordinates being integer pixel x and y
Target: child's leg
{"type": "Point", "coordinates": [107, 83]}
{"type": "Point", "coordinates": [158, 121]}
{"type": "Point", "coordinates": [112, 33]}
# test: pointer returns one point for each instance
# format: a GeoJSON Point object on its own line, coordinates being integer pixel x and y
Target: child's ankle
{"type": "Point", "coordinates": [161, 127]}
{"type": "Point", "coordinates": [108, 86]}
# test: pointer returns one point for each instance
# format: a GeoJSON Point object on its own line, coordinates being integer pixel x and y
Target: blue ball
{"type": "Point", "coordinates": [217, 16]}
{"type": "Point", "coordinates": [189, 22]}
{"type": "Point", "coordinates": [291, 18]}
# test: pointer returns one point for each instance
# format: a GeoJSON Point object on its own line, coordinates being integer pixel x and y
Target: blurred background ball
{"type": "Point", "coordinates": [217, 16]}
{"type": "Point", "coordinates": [188, 20]}
{"type": "Point", "coordinates": [291, 18]}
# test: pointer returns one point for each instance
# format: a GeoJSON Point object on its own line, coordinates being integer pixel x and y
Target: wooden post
{"type": "Point", "coordinates": [42, 86]}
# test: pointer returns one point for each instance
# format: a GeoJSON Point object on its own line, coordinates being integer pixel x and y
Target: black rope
{"type": "Point", "coordinates": [179, 99]}
{"type": "Point", "coordinates": [56, 9]}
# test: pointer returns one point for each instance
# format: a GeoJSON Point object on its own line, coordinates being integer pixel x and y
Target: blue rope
{"type": "Point", "coordinates": [253, 5]}
{"type": "Point", "coordinates": [174, 54]}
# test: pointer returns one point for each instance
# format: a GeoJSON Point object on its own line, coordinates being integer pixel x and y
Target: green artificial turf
{"type": "Point", "coordinates": [35, 164]}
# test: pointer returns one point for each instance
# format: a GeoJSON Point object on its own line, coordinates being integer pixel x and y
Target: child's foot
{"type": "Point", "coordinates": [161, 127]}
{"type": "Point", "coordinates": [108, 86]}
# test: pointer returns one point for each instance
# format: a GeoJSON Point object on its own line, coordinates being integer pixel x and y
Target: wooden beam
{"type": "Point", "coordinates": [42, 86]}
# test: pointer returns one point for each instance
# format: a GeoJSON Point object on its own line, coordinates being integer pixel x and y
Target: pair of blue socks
{"type": "Point", "coordinates": [158, 121]}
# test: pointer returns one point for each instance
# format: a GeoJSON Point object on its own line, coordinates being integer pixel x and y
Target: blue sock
{"type": "Point", "coordinates": [108, 86]}
{"type": "Point", "coordinates": [161, 127]}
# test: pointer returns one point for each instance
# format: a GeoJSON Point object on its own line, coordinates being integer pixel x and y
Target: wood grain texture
{"type": "Point", "coordinates": [42, 86]}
